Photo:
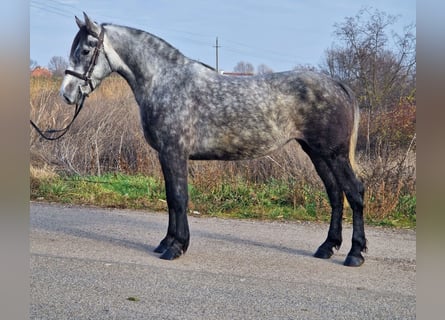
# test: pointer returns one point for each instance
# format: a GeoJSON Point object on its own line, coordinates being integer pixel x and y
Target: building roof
{"type": "Point", "coordinates": [41, 72]}
{"type": "Point", "coordinates": [238, 74]}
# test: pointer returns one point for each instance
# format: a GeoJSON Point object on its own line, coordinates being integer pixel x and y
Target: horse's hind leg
{"type": "Point", "coordinates": [175, 243]}
{"type": "Point", "coordinates": [354, 192]}
{"type": "Point", "coordinates": [335, 194]}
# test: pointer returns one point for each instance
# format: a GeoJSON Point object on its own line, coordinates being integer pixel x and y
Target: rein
{"type": "Point", "coordinates": [45, 134]}
{"type": "Point", "coordinates": [86, 76]}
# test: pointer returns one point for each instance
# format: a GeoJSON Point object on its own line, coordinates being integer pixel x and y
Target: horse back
{"type": "Point", "coordinates": [239, 118]}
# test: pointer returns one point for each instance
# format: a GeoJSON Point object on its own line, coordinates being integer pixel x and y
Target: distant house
{"type": "Point", "coordinates": [41, 72]}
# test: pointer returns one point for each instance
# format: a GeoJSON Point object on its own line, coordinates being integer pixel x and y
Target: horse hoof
{"type": "Point", "coordinates": [354, 261]}
{"type": "Point", "coordinates": [161, 248]}
{"type": "Point", "coordinates": [170, 254]}
{"type": "Point", "coordinates": [323, 253]}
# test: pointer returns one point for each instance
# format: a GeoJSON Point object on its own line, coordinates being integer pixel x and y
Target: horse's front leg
{"type": "Point", "coordinates": [176, 242]}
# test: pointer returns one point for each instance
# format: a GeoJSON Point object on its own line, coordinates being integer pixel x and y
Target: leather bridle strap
{"type": "Point", "coordinates": [87, 75]}
{"type": "Point", "coordinates": [87, 78]}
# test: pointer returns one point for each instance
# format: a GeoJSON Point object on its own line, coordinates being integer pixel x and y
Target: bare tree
{"type": "Point", "coordinates": [57, 65]}
{"type": "Point", "coordinates": [378, 64]}
{"type": "Point", "coordinates": [244, 67]}
{"type": "Point", "coordinates": [305, 67]}
{"type": "Point", "coordinates": [32, 64]}
{"type": "Point", "coordinates": [262, 69]}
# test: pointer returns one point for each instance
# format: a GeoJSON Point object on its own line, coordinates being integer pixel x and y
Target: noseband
{"type": "Point", "coordinates": [86, 76]}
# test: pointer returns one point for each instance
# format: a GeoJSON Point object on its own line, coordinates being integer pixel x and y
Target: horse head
{"type": "Point", "coordinates": [88, 62]}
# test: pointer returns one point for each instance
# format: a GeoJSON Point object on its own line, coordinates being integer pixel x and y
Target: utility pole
{"type": "Point", "coordinates": [217, 46]}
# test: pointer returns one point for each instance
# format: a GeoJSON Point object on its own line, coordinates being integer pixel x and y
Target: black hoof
{"type": "Point", "coordinates": [166, 243]}
{"type": "Point", "coordinates": [161, 248]}
{"type": "Point", "coordinates": [354, 261]}
{"type": "Point", "coordinates": [171, 254]}
{"type": "Point", "coordinates": [323, 253]}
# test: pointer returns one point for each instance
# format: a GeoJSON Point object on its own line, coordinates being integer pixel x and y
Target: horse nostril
{"type": "Point", "coordinates": [67, 99]}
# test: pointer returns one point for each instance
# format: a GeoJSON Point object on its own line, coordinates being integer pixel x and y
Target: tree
{"type": "Point", "coordinates": [262, 69]}
{"type": "Point", "coordinates": [305, 67]}
{"type": "Point", "coordinates": [379, 65]}
{"type": "Point", "coordinates": [244, 67]}
{"type": "Point", "coordinates": [32, 64]}
{"type": "Point", "coordinates": [58, 65]}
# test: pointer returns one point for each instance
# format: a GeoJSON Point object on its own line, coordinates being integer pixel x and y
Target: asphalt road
{"type": "Point", "coordinates": [89, 263]}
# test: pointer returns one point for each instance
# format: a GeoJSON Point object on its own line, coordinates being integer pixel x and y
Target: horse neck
{"type": "Point", "coordinates": [139, 56]}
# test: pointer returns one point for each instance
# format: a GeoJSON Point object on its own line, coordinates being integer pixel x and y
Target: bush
{"type": "Point", "coordinates": [389, 131]}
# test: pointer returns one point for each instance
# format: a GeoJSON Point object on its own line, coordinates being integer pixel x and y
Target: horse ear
{"type": "Point", "coordinates": [92, 27]}
{"type": "Point", "coordinates": [79, 22]}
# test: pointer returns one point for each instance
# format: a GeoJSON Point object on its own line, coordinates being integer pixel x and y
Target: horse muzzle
{"type": "Point", "coordinates": [73, 92]}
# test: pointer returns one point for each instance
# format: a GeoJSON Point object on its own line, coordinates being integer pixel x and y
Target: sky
{"type": "Point", "coordinates": [278, 33]}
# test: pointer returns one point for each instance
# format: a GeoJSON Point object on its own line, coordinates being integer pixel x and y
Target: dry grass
{"type": "Point", "coordinates": [43, 173]}
{"type": "Point", "coordinates": [107, 137]}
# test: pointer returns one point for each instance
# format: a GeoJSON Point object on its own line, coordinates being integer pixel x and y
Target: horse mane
{"type": "Point", "coordinates": [205, 65]}
{"type": "Point", "coordinates": [82, 31]}
{"type": "Point", "coordinates": [175, 52]}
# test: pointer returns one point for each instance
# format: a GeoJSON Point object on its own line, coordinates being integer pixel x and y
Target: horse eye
{"type": "Point", "coordinates": [85, 52]}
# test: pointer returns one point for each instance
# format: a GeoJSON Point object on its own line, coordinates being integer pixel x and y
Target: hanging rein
{"type": "Point", "coordinates": [86, 76]}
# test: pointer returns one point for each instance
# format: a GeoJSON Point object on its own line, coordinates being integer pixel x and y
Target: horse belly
{"type": "Point", "coordinates": [238, 146]}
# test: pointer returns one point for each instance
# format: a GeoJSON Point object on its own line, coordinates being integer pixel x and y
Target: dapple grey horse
{"type": "Point", "coordinates": [188, 111]}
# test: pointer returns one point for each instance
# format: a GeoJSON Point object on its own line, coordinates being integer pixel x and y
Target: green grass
{"type": "Point", "coordinates": [109, 190]}
{"type": "Point", "coordinates": [272, 200]}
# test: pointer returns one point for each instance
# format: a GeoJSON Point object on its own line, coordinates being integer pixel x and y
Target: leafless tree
{"type": "Point", "coordinates": [305, 67]}
{"type": "Point", "coordinates": [262, 69]}
{"type": "Point", "coordinates": [57, 65]}
{"type": "Point", "coordinates": [32, 64]}
{"type": "Point", "coordinates": [244, 67]}
{"type": "Point", "coordinates": [380, 65]}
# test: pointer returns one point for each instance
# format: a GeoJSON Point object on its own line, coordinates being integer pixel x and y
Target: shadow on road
{"type": "Point", "coordinates": [237, 240]}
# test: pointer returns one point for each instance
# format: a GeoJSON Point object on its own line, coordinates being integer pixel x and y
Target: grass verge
{"type": "Point", "coordinates": [271, 200]}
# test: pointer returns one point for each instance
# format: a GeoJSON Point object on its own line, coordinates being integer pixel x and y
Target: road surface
{"type": "Point", "coordinates": [90, 263]}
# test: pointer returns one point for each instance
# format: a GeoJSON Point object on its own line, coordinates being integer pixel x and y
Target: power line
{"type": "Point", "coordinates": [64, 4]}
{"type": "Point", "coordinates": [48, 8]}
{"type": "Point", "coordinates": [66, 9]}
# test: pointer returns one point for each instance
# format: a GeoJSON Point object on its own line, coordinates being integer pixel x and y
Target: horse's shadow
{"type": "Point", "coordinates": [254, 243]}
{"type": "Point", "coordinates": [119, 241]}
{"type": "Point", "coordinates": [116, 240]}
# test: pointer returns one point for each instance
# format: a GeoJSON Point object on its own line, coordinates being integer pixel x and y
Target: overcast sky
{"type": "Point", "coordinates": [278, 33]}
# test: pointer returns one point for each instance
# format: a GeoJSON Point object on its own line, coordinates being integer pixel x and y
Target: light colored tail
{"type": "Point", "coordinates": [353, 140]}
{"type": "Point", "coordinates": [352, 146]}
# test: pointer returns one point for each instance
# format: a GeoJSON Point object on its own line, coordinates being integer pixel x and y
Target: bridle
{"type": "Point", "coordinates": [86, 76]}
